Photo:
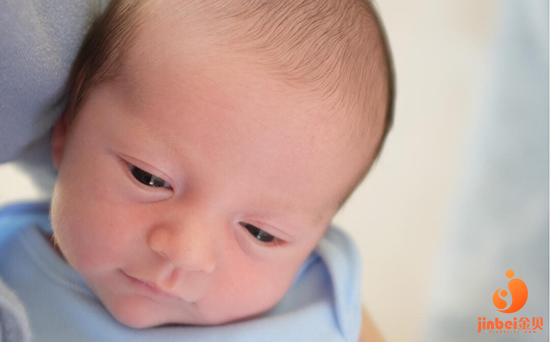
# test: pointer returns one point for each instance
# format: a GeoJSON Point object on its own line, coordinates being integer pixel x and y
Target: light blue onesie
{"type": "Point", "coordinates": [323, 303]}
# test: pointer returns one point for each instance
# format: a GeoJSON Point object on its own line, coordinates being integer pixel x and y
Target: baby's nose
{"type": "Point", "coordinates": [188, 248]}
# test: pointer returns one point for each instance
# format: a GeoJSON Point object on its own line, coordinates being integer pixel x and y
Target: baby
{"type": "Point", "coordinates": [206, 147]}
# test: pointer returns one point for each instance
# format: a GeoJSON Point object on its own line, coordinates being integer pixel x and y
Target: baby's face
{"type": "Point", "coordinates": [193, 193]}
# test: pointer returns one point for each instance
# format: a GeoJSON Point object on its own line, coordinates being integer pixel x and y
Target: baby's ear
{"type": "Point", "coordinates": [59, 137]}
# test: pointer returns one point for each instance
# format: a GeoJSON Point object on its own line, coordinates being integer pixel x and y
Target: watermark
{"type": "Point", "coordinates": [514, 303]}
{"type": "Point", "coordinates": [523, 326]}
{"type": "Point", "coordinates": [518, 292]}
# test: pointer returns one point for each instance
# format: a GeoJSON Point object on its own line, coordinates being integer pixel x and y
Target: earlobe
{"type": "Point", "coordinates": [59, 137]}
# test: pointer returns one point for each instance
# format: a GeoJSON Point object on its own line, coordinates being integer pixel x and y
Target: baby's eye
{"type": "Point", "coordinates": [258, 233]}
{"type": "Point", "coordinates": [147, 178]}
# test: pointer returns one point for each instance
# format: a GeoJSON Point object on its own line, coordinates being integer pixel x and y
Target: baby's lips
{"type": "Point", "coordinates": [156, 289]}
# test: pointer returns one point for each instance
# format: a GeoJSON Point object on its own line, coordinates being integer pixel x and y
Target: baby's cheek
{"type": "Point", "coordinates": [253, 286]}
{"type": "Point", "coordinates": [82, 227]}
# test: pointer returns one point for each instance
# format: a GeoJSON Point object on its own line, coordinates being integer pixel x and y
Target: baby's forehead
{"type": "Point", "coordinates": [232, 95]}
{"type": "Point", "coordinates": [188, 55]}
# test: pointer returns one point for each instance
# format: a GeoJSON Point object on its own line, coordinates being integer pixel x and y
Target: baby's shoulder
{"type": "Point", "coordinates": [17, 216]}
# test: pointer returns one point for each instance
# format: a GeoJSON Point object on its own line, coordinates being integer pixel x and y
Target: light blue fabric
{"type": "Point", "coordinates": [39, 40]}
{"type": "Point", "coordinates": [323, 303]}
{"type": "Point", "coordinates": [13, 320]}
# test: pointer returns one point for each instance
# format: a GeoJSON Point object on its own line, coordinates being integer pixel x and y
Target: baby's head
{"type": "Point", "coordinates": [208, 144]}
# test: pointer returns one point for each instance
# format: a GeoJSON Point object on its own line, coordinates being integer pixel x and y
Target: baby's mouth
{"type": "Point", "coordinates": [151, 287]}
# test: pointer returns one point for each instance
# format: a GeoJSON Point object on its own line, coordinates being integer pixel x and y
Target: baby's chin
{"type": "Point", "coordinates": [141, 312]}
{"type": "Point", "coordinates": [141, 320]}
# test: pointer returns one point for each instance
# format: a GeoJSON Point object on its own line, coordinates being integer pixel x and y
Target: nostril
{"type": "Point", "coordinates": [160, 251]}
{"type": "Point", "coordinates": [162, 254]}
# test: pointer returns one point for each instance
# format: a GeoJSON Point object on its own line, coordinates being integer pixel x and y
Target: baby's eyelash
{"type": "Point", "coordinates": [261, 235]}
{"type": "Point", "coordinates": [147, 178]}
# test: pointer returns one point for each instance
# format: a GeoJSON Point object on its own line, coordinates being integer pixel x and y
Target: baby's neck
{"type": "Point", "coordinates": [51, 242]}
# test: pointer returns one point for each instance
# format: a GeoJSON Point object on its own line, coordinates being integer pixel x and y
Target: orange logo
{"type": "Point", "coordinates": [518, 292]}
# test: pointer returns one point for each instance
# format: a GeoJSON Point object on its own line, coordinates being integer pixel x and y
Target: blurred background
{"type": "Point", "coordinates": [460, 193]}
